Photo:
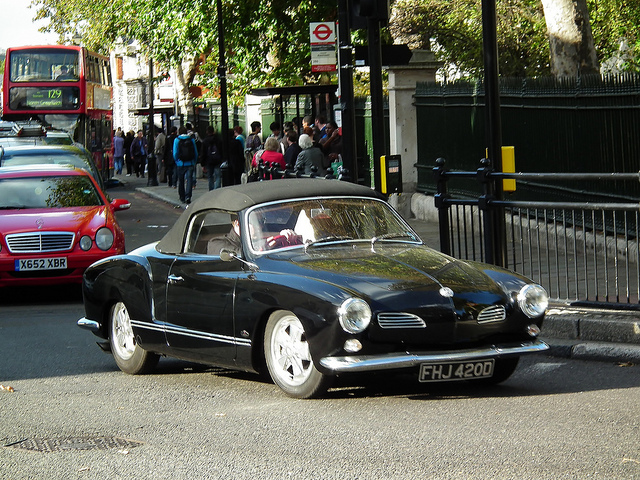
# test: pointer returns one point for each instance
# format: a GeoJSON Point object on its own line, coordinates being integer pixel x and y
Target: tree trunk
{"type": "Point", "coordinates": [185, 73]}
{"type": "Point", "coordinates": [570, 38]}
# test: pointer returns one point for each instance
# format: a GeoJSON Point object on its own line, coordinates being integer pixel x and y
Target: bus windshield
{"type": "Point", "coordinates": [39, 65]}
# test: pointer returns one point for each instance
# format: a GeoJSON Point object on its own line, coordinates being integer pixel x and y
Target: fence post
{"type": "Point", "coordinates": [439, 172]}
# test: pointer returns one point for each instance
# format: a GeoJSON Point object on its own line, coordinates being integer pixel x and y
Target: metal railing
{"type": "Point", "coordinates": [583, 253]}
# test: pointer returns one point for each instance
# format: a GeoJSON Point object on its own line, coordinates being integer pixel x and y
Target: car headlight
{"type": "Point", "coordinates": [354, 315]}
{"type": "Point", "coordinates": [104, 238]}
{"type": "Point", "coordinates": [85, 242]}
{"type": "Point", "coordinates": [533, 300]}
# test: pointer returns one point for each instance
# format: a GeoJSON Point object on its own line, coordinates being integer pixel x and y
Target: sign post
{"type": "Point", "coordinates": [323, 46]}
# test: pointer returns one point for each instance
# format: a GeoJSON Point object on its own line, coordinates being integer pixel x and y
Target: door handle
{"type": "Point", "coordinates": [174, 279]}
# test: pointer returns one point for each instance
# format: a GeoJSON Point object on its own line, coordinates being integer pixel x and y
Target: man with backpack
{"type": "Point", "coordinates": [211, 158]}
{"type": "Point", "coordinates": [252, 145]}
{"type": "Point", "coordinates": [185, 154]}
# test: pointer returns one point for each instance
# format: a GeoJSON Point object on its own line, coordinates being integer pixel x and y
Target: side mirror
{"type": "Point", "coordinates": [120, 204]}
{"type": "Point", "coordinates": [227, 255]}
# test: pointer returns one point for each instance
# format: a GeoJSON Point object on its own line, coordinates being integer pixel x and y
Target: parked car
{"type": "Point", "coordinates": [73, 155]}
{"type": "Point", "coordinates": [55, 221]}
{"type": "Point", "coordinates": [324, 278]}
{"type": "Point", "coordinates": [31, 133]}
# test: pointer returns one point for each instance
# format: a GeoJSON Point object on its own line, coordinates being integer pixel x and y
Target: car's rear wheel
{"type": "Point", "coordinates": [127, 353]}
{"type": "Point", "coordinates": [288, 358]}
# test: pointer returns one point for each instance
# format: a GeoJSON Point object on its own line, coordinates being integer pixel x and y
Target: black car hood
{"type": "Point", "coordinates": [392, 267]}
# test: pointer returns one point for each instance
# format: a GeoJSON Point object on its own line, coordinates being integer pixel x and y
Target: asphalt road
{"type": "Point", "coordinates": [73, 414]}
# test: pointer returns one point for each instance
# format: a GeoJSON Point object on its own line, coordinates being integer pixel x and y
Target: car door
{"type": "Point", "coordinates": [200, 297]}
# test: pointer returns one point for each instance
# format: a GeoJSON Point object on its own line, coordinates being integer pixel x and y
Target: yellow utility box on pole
{"type": "Point", "coordinates": [509, 166]}
{"type": "Point", "coordinates": [390, 174]}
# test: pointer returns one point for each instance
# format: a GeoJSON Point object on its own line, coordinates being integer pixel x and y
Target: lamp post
{"type": "Point", "coordinates": [222, 76]}
{"type": "Point", "coordinates": [152, 171]}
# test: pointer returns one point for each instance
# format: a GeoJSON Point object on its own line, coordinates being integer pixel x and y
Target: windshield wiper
{"type": "Point", "coordinates": [389, 236]}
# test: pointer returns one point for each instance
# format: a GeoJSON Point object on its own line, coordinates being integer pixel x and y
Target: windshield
{"type": "Point", "coordinates": [48, 192]}
{"type": "Point", "coordinates": [44, 65]}
{"type": "Point", "coordinates": [63, 158]}
{"type": "Point", "coordinates": [317, 220]}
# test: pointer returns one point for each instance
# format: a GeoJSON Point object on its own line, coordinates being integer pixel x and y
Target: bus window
{"type": "Point", "coordinates": [42, 65]}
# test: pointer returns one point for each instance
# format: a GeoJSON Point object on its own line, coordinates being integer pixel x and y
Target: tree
{"type": "Point", "coordinates": [570, 38]}
{"type": "Point", "coordinates": [267, 42]}
{"type": "Point", "coordinates": [453, 29]}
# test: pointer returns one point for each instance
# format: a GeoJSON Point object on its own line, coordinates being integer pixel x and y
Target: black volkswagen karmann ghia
{"type": "Point", "coordinates": [307, 279]}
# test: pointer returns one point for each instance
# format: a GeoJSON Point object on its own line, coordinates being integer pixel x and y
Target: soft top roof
{"type": "Point", "coordinates": [239, 197]}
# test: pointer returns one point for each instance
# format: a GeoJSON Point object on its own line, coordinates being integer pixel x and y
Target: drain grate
{"type": "Point", "coordinates": [74, 443]}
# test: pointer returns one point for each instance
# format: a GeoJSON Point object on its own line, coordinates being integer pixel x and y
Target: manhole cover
{"type": "Point", "coordinates": [74, 443]}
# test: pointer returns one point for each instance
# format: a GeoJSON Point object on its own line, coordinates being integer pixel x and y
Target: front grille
{"type": "Point", "coordinates": [37, 242]}
{"type": "Point", "coordinates": [494, 313]}
{"type": "Point", "coordinates": [400, 320]}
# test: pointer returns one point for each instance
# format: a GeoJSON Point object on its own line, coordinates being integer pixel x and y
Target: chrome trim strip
{"type": "Point", "coordinates": [170, 329]}
{"type": "Point", "coordinates": [89, 324]}
{"type": "Point", "coordinates": [147, 326]}
{"type": "Point", "coordinates": [366, 363]}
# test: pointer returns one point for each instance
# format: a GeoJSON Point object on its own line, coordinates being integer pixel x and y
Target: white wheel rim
{"type": "Point", "coordinates": [121, 332]}
{"type": "Point", "coordinates": [290, 352]}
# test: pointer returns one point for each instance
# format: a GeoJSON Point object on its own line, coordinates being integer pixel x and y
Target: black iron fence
{"type": "Point", "coordinates": [583, 253]}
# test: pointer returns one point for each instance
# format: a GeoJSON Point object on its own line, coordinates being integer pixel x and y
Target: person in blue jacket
{"type": "Point", "coordinates": [185, 153]}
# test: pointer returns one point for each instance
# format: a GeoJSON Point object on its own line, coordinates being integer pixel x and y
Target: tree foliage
{"type": "Point", "coordinates": [453, 28]}
{"type": "Point", "coordinates": [266, 43]}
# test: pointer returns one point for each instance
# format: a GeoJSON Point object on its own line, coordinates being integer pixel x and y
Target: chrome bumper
{"type": "Point", "coordinates": [89, 324]}
{"type": "Point", "coordinates": [367, 363]}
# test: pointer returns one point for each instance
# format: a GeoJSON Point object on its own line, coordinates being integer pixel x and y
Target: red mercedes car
{"type": "Point", "coordinates": [55, 221]}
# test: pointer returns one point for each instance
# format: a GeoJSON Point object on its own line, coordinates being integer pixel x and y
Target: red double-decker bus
{"type": "Point", "coordinates": [64, 87]}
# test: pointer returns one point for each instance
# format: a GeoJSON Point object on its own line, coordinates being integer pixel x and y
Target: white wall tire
{"type": "Point", "coordinates": [288, 358]}
{"type": "Point", "coordinates": [128, 355]}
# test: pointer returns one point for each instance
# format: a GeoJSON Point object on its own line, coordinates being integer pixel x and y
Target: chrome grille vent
{"type": "Point", "coordinates": [40, 242]}
{"type": "Point", "coordinates": [400, 320]}
{"type": "Point", "coordinates": [494, 313]}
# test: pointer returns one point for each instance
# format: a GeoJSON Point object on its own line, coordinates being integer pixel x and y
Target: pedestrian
{"type": "Point", "coordinates": [252, 144]}
{"type": "Point", "coordinates": [286, 128]}
{"type": "Point", "coordinates": [139, 150]}
{"type": "Point", "coordinates": [128, 158]}
{"type": "Point", "coordinates": [331, 144]}
{"type": "Point", "coordinates": [211, 158]}
{"type": "Point", "coordinates": [275, 130]}
{"type": "Point", "coordinates": [185, 154]}
{"type": "Point", "coordinates": [235, 158]}
{"type": "Point", "coordinates": [197, 168]}
{"type": "Point", "coordinates": [269, 155]}
{"type": "Point", "coordinates": [118, 152]}
{"type": "Point", "coordinates": [158, 151]}
{"type": "Point", "coordinates": [320, 127]}
{"type": "Point", "coordinates": [310, 156]}
{"type": "Point", "coordinates": [237, 134]}
{"type": "Point", "coordinates": [293, 149]}
{"type": "Point", "coordinates": [169, 162]}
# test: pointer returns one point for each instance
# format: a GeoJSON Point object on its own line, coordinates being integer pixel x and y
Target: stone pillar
{"type": "Point", "coordinates": [402, 111]}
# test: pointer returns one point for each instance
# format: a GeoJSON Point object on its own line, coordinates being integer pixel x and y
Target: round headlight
{"type": "Point", "coordinates": [533, 300]}
{"type": "Point", "coordinates": [85, 243]}
{"type": "Point", "coordinates": [354, 315]}
{"type": "Point", "coordinates": [104, 238]}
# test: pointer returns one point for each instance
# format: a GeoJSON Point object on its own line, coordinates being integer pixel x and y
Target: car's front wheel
{"type": "Point", "coordinates": [288, 357]}
{"type": "Point", "coordinates": [127, 353]}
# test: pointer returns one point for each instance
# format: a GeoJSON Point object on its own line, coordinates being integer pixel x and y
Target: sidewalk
{"type": "Point", "coordinates": [590, 334]}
